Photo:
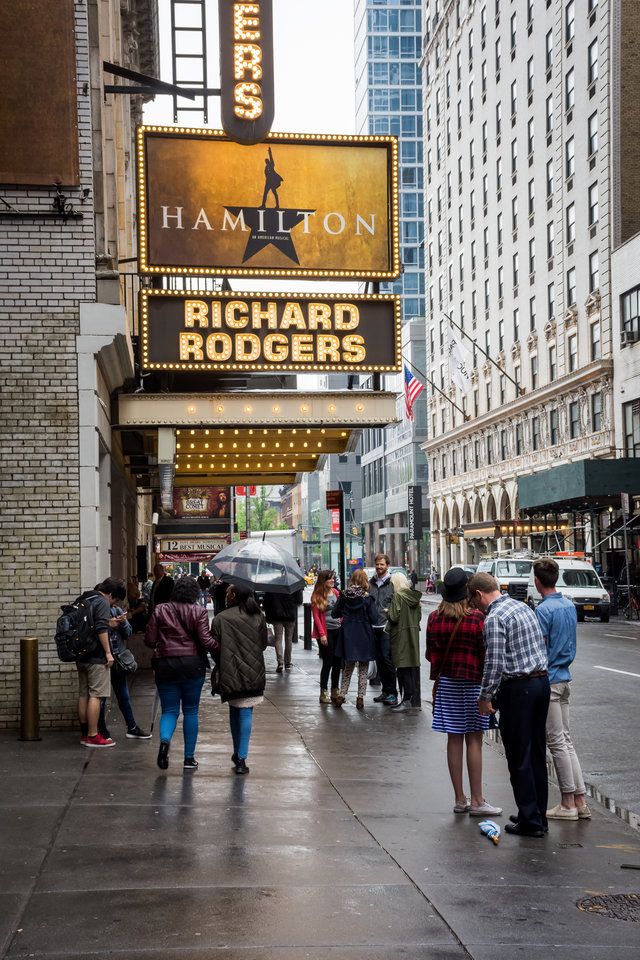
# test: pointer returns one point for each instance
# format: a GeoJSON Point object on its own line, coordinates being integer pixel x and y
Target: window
{"type": "Point", "coordinates": [533, 365]}
{"type": "Point", "coordinates": [549, 178]}
{"type": "Point", "coordinates": [594, 272]}
{"type": "Point", "coordinates": [471, 97]}
{"type": "Point", "coordinates": [548, 46]}
{"type": "Point", "coordinates": [529, 12]}
{"type": "Point", "coordinates": [570, 89]}
{"type": "Point", "coordinates": [531, 190]}
{"type": "Point", "coordinates": [631, 428]}
{"type": "Point", "coordinates": [532, 313]}
{"type": "Point", "coordinates": [514, 156]}
{"type": "Point", "coordinates": [476, 443]}
{"type": "Point", "coordinates": [519, 440]}
{"type": "Point", "coordinates": [503, 445]}
{"type": "Point", "coordinates": [592, 62]}
{"type": "Point", "coordinates": [551, 300]}
{"type": "Point", "coordinates": [574, 420]}
{"type": "Point", "coordinates": [472, 205]}
{"type": "Point", "coordinates": [486, 295]}
{"type": "Point", "coordinates": [443, 473]}
{"type": "Point", "coordinates": [459, 173]}
{"type": "Point", "coordinates": [532, 255]}
{"type": "Point", "coordinates": [499, 229]}
{"type": "Point", "coordinates": [592, 133]}
{"type": "Point", "coordinates": [571, 223]}
{"type": "Point", "coordinates": [513, 33]}
{"type": "Point", "coordinates": [501, 285]}
{"type": "Point", "coordinates": [498, 119]}
{"type": "Point", "coordinates": [571, 286]}
{"type": "Point", "coordinates": [485, 136]}
{"type": "Point", "coordinates": [530, 136]}
{"type": "Point", "coordinates": [553, 371]}
{"type": "Point", "coordinates": [474, 308]}
{"type": "Point", "coordinates": [516, 325]}
{"type": "Point", "coordinates": [488, 398]}
{"type": "Point", "coordinates": [499, 173]}
{"type": "Point", "coordinates": [550, 240]}
{"type": "Point", "coordinates": [471, 156]}
{"type": "Point", "coordinates": [596, 412]}
{"type": "Point", "coordinates": [498, 54]}
{"type": "Point", "coordinates": [596, 343]}
{"type": "Point", "coordinates": [483, 24]}
{"type": "Point", "coordinates": [470, 49]}
{"type": "Point", "coordinates": [485, 242]}
{"type": "Point", "coordinates": [473, 255]}
{"type": "Point", "coordinates": [503, 390]}
{"type": "Point", "coordinates": [570, 22]}
{"type": "Point", "coordinates": [461, 269]}
{"type": "Point", "coordinates": [535, 433]}
{"type": "Point", "coordinates": [630, 311]}
{"type": "Point", "coordinates": [570, 157]}
{"type": "Point", "coordinates": [549, 113]}
{"type": "Point", "coordinates": [554, 427]}
{"type": "Point", "coordinates": [572, 352]}
{"type": "Point", "coordinates": [514, 214]}
{"type": "Point", "coordinates": [514, 98]}
{"type": "Point", "coordinates": [516, 273]}
{"type": "Point", "coordinates": [530, 75]}
{"type": "Point", "coordinates": [593, 204]}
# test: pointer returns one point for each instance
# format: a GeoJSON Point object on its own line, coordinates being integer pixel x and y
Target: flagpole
{"type": "Point", "coordinates": [484, 353]}
{"type": "Point", "coordinates": [432, 384]}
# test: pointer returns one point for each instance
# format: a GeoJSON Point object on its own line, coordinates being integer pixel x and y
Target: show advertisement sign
{"type": "Point", "coordinates": [262, 331]}
{"type": "Point", "coordinates": [205, 502]}
{"type": "Point", "coordinates": [296, 205]}
{"type": "Point", "coordinates": [246, 69]}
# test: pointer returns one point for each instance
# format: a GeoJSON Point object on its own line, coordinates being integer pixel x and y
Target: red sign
{"type": "Point", "coordinates": [335, 521]}
{"type": "Point", "coordinates": [242, 491]}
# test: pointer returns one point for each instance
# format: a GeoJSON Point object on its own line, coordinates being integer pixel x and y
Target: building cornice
{"type": "Point", "coordinates": [580, 378]}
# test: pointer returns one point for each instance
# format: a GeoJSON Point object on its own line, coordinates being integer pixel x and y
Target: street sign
{"type": "Point", "coordinates": [294, 206]}
{"type": "Point", "coordinates": [334, 499]}
{"type": "Point", "coordinates": [415, 512]}
{"type": "Point", "coordinates": [624, 500]}
{"type": "Point", "coordinates": [209, 545]}
{"type": "Point", "coordinates": [246, 69]}
{"type": "Point", "coordinates": [266, 331]}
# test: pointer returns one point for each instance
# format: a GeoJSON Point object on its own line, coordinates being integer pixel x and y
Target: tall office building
{"type": "Point", "coordinates": [388, 36]}
{"type": "Point", "coordinates": [531, 183]}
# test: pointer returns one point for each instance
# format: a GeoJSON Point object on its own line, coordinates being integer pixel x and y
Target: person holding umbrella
{"type": "Point", "coordinates": [240, 632]}
{"type": "Point", "coordinates": [178, 633]}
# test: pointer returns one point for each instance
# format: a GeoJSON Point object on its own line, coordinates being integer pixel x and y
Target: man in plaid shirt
{"type": "Point", "coordinates": [515, 674]}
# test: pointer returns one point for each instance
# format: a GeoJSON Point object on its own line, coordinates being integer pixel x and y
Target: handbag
{"type": "Point", "coordinates": [215, 680]}
{"type": "Point", "coordinates": [444, 660]}
{"type": "Point", "coordinates": [125, 661]}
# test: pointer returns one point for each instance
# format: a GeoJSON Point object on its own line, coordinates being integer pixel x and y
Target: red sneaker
{"type": "Point", "coordinates": [98, 741]}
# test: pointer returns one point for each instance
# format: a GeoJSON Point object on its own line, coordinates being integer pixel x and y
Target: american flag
{"type": "Point", "coordinates": [412, 390]}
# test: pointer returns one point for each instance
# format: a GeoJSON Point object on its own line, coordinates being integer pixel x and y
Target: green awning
{"type": "Point", "coordinates": [584, 485]}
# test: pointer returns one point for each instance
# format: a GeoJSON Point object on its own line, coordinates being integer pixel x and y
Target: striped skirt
{"type": "Point", "coordinates": [456, 707]}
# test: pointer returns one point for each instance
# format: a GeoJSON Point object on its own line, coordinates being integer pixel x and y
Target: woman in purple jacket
{"type": "Point", "coordinates": [178, 632]}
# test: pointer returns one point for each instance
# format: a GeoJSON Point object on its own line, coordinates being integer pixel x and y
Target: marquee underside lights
{"type": "Point", "coordinates": [313, 206]}
{"type": "Point", "coordinates": [261, 331]}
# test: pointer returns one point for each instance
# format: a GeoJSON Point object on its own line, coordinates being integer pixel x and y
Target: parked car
{"type": "Point", "coordinates": [512, 573]}
{"type": "Point", "coordinates": [579, 582]}
{"type": "Point", "coordinates": [469, 568]}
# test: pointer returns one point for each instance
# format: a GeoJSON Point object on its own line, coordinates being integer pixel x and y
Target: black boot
{"type": "Point", "coordinates": [234, 758]}
{"type": "Point", "coordinates": [163, 755]}
{"type": "Point", "coordinates": [241, 766]}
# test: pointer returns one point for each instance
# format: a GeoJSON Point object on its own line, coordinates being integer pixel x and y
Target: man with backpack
{"type": "Point", "coordinates": [94, 667]}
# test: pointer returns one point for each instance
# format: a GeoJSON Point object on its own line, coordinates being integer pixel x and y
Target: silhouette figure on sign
{"type": "Point", "coordinates": [272, 180]}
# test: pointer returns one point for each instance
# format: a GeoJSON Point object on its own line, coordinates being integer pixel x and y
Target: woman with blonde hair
{"type": "Point", "coordinates": [403, 620]}
{"type": "Point", "coordinates": [326, 630]}
{"type": "Point", "coordinates": [356, 644]}
{"type": "Point", "coordinates": [455, 649]}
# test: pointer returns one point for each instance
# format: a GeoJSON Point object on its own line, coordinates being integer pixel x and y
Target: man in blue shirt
{"type": "Point", "coordinates": [558, 621]}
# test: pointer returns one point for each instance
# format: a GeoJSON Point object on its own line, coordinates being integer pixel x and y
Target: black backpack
{"type": "Point", "coordinates": [75, 634]}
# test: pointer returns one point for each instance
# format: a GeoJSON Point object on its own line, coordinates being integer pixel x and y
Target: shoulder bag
{"type": "Point", "coordinates": [444, 660]}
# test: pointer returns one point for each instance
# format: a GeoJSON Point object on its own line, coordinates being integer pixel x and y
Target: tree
{"type": "Point", "coordinates": [263, 517]}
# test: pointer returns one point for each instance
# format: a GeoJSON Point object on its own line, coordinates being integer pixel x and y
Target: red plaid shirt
{"type": "Point", "coordinates": [465, 660]}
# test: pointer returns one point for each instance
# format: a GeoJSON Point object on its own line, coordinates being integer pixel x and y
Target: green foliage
{"type": "Point", "coordinates": [262, 516]}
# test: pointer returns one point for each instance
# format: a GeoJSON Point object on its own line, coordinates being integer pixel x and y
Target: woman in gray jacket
{"type": "Point", "coordinates": [241, 631]}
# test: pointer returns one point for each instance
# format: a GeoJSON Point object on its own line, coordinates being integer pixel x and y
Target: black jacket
{"type": "Point", "coordinates": [161, 592]}
{"type": "Point", "coordinates": [359, 616]}
{"type": "Point", "coordinates": [243, 639]}
{"type": "Point", "coordinates": [282, 607]}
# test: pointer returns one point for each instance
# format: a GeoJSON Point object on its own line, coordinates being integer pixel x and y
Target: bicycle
{"type": "Point", "coordinates": [632, 609]}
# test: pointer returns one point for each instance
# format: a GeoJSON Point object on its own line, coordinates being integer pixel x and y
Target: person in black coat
{"type": "Point", "coordinates": [162, 588]}
{"type": "Point", "coordinates": [356, 644]}
{"type": "Point", "coordinates": [281, 610]}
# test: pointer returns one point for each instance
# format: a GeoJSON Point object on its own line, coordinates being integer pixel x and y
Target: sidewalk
{"type": "Point", "coordinates": [339, 845]}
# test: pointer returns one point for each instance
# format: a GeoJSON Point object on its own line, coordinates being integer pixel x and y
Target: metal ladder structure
{"type": "Point", "coordinates": [189, 59]}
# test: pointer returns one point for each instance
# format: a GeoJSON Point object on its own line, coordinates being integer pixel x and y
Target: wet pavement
{"type": "Point", "coordinates": [340, 843]}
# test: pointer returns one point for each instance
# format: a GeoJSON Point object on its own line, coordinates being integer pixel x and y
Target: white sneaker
{"type": "Point", "coordinates": [485, 810]}
{"type": "Point", "coordinates": [562, 813]}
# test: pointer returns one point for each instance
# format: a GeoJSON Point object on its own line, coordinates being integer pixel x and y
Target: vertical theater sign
{"type": "Point", "coordinates": [246, 69]}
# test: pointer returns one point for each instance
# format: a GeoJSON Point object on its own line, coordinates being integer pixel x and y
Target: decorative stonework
{"type": "Point", "coordinates": [486, 369]}
{"type": "Point", "coordinates": [500, 359]}
{"type": "Point", "coordinates": [515, 350]}
{"type": "Point", "coordinates": [532, 340]}
{"type": "Point", "coordinates": [474, 375]}
{"type": "Point", "coordinates": [550, 330]}
{"type": "Point", "coordinates": [570, 317]}
{"type": "Point", "coordinates": [592, 303]}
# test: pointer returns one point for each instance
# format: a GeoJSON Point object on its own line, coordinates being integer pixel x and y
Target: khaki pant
{"type": "Point", "coordinates": [288, 630]}
{"type": "Point", "coordinates": [559, 741]}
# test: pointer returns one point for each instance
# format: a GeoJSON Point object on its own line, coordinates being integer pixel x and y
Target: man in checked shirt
{"type": "Point", "coordinates": [515, 675]}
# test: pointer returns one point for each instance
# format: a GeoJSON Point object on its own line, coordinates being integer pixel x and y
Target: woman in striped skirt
{"type": "Point", "coordinates": [455, 649]}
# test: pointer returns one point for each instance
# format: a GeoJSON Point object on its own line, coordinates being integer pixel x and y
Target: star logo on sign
{"type": "Point", "coordinates": [270, 226]}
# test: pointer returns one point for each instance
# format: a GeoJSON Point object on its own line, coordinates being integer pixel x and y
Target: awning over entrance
{"type": "Point", "coordinates": [584, 485]}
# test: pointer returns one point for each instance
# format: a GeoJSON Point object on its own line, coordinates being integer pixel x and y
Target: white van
{"type": "Point", "coordinates": [512, 573]}
{"type": "Point", "coordinates": [579, 582]}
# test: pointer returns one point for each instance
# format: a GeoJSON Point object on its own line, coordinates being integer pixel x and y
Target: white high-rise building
{"type": "Point", "coordinates": [531, 182]}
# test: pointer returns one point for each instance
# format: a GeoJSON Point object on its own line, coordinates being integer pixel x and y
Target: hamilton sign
{"type": "Point", "coordinates": [262, 331]}
{"type": "Point", "coordinates": [296, 205]}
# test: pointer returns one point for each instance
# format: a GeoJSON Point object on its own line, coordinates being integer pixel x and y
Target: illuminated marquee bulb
{"type": "Point", "coordinates": [245, 21]}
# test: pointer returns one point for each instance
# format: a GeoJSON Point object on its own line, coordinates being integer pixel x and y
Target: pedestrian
{"type": "Point", "coordinates": [281, 611]}
{"type": "Point", "coordinates": [204, 582]}
{"type": "Point", "coordinates": [326, 630]}
{"type": "Point", "coordinates": [455, 650]}
{"type": "Point", "coordinates": [515, 675]}
{"type": "Point", "coordinates": [136, 606]}
{"type": "Point", "coordinates": [120, 629]}
{"type": "Point", "coordinates": [94, 670]}
{"type": "Point", "coordinates": [162, 587]}
{"type": "Point", "coordinates": [178, 633]}
{"type": "Point", "coordinates": [381, 589]}
{"type": "Point", "coordinates": [218, 592]}
{"type": "Point", "coordinates": [404, 636]}
{"type": "Point", "coordinates": [413, 578]}
{"type": "Point", "coordinates": [356, 643]}
{"type": "Point", "coordinates": [241, 632]}
{"type": "Point", "coordinates": [559, 623]}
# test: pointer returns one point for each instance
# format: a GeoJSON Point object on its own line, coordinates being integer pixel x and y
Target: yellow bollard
{"type": "Point", "coordinates": [29, 689]}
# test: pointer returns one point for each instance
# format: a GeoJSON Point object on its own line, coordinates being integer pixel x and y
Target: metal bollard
{"type": "Point", "coordinates": [29, 690]}
{"type": "Point", "coordinates": [306, 614]}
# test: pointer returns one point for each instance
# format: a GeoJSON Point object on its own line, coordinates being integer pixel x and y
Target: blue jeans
{"type": "Point", "coordinates": [174, 694]}
{"type": "Point", "coordinates": [121, 690]}
{"type": "Point", "coordinates": [240, 720]}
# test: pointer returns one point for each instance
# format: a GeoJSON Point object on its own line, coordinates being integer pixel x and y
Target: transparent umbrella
{"type": "Point", "coordinates": [259, 564]}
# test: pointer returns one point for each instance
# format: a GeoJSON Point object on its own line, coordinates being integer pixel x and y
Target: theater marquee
{"type": "Point", "coordinates": [262, 331]}
{"type": "Point", "coordinates": [295, 205]}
